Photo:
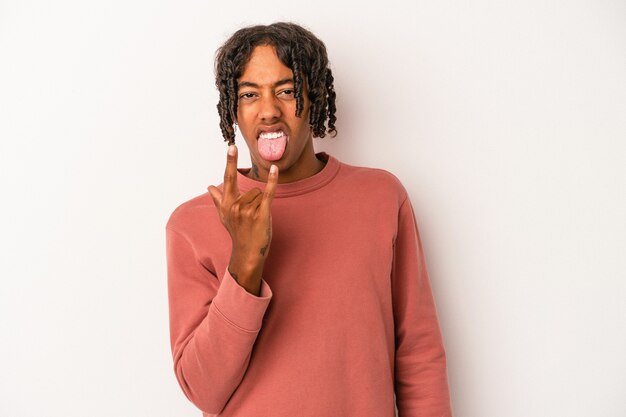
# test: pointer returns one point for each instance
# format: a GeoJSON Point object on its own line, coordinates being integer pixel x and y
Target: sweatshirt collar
{"type": "Point", "coordinates": [297, 187]}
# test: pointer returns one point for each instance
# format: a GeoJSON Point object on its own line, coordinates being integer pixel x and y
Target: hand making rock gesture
{"type": "Point", "coordinates": [248, 219]}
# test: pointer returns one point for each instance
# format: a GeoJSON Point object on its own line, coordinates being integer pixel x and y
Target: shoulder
{"type": "Point", "coordinates": [376, 181]}
{"type": "Point", "coordinates": [190, 214]}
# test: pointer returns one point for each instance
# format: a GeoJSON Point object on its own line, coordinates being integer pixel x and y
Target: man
{"type": "Point", "coordinates": [298, 287]}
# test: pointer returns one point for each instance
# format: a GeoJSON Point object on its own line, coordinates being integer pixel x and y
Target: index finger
{"type": "Point", "coordinates": [270, 188]}
{"type": "Point", "coordinates": [230, 175]}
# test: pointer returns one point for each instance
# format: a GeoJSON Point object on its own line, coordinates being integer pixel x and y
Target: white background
{"type": "Point", "coordinates": [505, 120]}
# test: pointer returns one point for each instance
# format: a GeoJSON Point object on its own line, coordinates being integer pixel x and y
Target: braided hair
{"type": "Point", "coordinates": [298, 49]}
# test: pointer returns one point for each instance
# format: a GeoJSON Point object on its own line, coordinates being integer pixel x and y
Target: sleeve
{"type": "Point", "coordinates": [421, 382]}
{"type": "Point", "coordinates": [213, 326]}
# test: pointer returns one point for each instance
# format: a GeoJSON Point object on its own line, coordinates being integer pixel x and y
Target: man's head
{"type": "Point", "coordinates": [296, 48]}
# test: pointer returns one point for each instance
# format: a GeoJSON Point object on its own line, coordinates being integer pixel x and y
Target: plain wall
{"type": "Point", "coordinates": [504, 120]}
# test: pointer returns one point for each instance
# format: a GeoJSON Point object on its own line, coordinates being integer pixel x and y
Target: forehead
{"type": "Point", "coordinates": [264, 67]}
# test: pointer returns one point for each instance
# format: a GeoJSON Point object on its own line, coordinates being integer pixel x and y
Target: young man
{"type": "Point", "coordinates": [298, 287]}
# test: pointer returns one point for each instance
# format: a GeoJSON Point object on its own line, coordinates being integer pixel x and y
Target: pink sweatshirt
{"type": "Point", "coordinates": [345, 318]}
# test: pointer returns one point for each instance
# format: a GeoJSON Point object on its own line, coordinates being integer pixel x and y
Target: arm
{"type": "Point", "coordinates": [421, 382]}
{"type": "Point", "coordinates": [213, 326]}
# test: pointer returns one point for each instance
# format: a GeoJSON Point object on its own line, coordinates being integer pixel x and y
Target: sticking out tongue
{"type": "Point", "coordinates": [272, 149]}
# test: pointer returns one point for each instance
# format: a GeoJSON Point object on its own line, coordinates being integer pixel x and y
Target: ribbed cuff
{"type": "Point", "coordinates": [241, 308]}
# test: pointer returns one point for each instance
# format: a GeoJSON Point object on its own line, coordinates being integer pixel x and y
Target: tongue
{"type": "Point", "coordinates": [272, 149]}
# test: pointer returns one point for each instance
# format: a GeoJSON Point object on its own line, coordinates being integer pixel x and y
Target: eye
{"type": "Point", "coordinates": [288, 93]}
{"type": "Point", "coordinates": [246, 96]}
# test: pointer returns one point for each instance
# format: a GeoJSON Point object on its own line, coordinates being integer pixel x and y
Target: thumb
{"type": "Point", "coordinates": [216, 195]}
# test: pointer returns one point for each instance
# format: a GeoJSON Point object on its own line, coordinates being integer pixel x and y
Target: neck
{"type": "Point", "coordinates": [304, 170]}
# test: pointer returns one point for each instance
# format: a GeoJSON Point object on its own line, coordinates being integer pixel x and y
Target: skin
{"type": "Point", "coordinates": [254, 172]}
{"type": "Point", "coordinates": [265, 101]}
{"type": "Point", "coordinates": [248, 219]}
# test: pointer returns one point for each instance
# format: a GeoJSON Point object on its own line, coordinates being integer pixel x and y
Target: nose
{"type": "Point", "coordinates": [269, 109]}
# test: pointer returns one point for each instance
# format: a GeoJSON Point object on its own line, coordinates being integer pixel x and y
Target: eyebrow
{"type": "Point", "coordinates": [276, 84]}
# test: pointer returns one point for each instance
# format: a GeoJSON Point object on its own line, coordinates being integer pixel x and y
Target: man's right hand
{"type": "Point", "coordinates": [248, 219]}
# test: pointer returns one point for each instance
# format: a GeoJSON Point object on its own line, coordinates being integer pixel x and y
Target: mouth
{"type": "Point", "coordinates": [271, 143]}
{"type": "Point", "coordinates": [271, 132]}
{"type": "Point", "coordinates": [271, 135]}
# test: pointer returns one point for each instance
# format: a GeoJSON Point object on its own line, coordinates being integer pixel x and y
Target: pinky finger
{"type": "Point", "coordinates": [270, 188]}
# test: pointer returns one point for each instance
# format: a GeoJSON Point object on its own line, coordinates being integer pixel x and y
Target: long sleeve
{"type": "Point", "coordinates": [213, 326]}
{"type": "Point", "coordinates": [421, 382]}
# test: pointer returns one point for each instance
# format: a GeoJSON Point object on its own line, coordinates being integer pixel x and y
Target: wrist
{"type": "Point", "coordinates": [247, 274]}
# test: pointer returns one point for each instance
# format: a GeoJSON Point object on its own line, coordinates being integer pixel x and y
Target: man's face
{"type": "Point", "coordinates": [266, 108]}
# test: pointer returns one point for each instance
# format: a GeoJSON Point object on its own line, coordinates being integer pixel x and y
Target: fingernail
{"type": "Point", "coordinates": [273, 169]}
{"type": "Point", "coordinates": [231, 150]}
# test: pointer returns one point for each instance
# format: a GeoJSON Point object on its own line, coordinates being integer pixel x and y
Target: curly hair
{"type": "Point", "coordinates": [298, 49]}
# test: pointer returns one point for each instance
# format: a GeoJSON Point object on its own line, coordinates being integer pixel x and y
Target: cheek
{"type": "Point", "coordinates": [244, 120]}
{"type": "Point", "coordinates": [303, 120]}
{"type": "Point", "coordinates": [241, 116]}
